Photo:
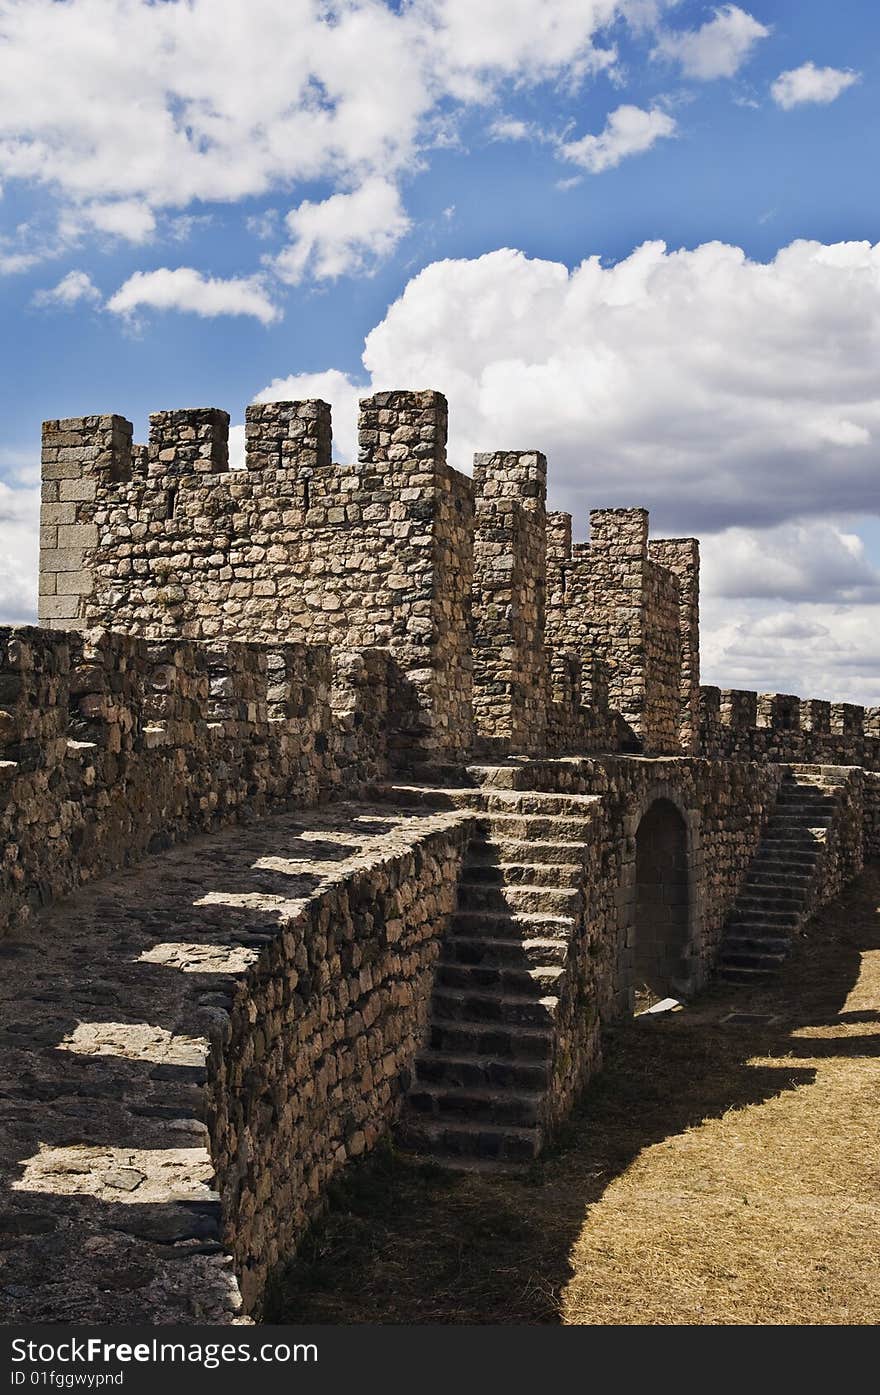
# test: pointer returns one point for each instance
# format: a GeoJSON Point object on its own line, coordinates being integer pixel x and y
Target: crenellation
{"type": "Point", "coordinates": [815, 717]}
{"type": "Point", "coordinates": [193, 441]}
{"type": "Point", "coordinates": [288, 437]}
{"type": "Point", "coordinates": [256, 641]}
{"type": "Point", "coordinates": [511, 670]}
{"type": "Point", "coordinates": [681, 557]}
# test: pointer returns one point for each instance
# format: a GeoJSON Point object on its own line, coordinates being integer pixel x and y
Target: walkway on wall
{"type": "Point", "coordinates": [723, 1169]}
{"type": "Point", "coordinates": [107, 1001]}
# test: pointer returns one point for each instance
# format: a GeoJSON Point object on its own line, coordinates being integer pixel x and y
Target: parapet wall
{"type": "Point", "coordinates": [114, 746]}
{"type": "Point", "coordinates": [633, 608]}
{"type": "Point", "coordinates": [503, 638]}
{"type": "Point", "coordinates": [319, 1050]}
{"type": "Point", "coordinates": [167, 541]}
{"type": "Point", "coordinates": [740, 725]}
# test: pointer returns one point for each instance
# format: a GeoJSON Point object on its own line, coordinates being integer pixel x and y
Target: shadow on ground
{"type": "Point", "coordinates": [409, 1243]}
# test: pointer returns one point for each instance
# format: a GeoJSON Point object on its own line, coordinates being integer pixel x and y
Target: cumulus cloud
{"type": "Point", "coordinates": [716, 390]}
{"type": "Point", "coordinates": [19, 514]}
{"type": "Point", "coordinates": [75, 288]}
{"type": "Point", "coordinates": [735, 399]}
{"type": "Point", "coordinates": [129, 219]}
{"type": "Point", "coordinates": [343, 234]}
{"type": "Point", "coordinates": [809, 560]}
{"type": "Point", "coordinates": [186, 289]}
{"type": "Point", "coordinates": [718, 49]}
{"type": "Point", "coordinates": [811, 84]}
{"type": "Point", "coordinates": [629, 130]}
{"type": "Point", "coordinates": [240, 98]}
{"type": "Point", "coordinates": [815, 650]}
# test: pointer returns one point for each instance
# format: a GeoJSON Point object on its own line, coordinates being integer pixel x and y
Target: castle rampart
{"type": "Point", "coordinates": [222, 644]}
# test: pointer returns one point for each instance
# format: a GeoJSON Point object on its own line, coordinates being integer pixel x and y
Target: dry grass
{"type": "Point", "coordinates": [714, 1174]}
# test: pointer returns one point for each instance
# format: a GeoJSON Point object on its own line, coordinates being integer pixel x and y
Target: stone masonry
{"type": "Point", "coordinates": [343, 799]}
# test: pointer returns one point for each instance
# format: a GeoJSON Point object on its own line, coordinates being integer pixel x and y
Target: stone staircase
{"type": "Point", "coordinates": [776, 896]}
{"type": "Point", "coordinates": [479, 1094]}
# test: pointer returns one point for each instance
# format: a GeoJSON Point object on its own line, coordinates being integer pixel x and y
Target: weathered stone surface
{"type": "Point", "coordinates": [194, 1046]}
{"type": "Point", "coordinates": [139, 1132]}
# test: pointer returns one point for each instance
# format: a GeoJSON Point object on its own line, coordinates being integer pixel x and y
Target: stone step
{"type": "Point", "coordinates": [751, 900]}
{"type": "Point", "coordinates": [480, 949]}
{"type": "Point", "coordinates": [503, 1041]}
{"type": "Point", "coordinates": [776, 875]}
{"type": "Point", "coordinates": [475, 896]}
{"type": "Point", "coordinates": [791, 831]}
{"type": "Point", "coordinates": [508, 925]}
{"type": "Point", "coordinates": [751, 959]}
{"type": "Point", "coordinates": [813, 775]}
{"type": "Point", "coordinates": [798, 802]}
{"type": "Point", "coordinates": [562, 828]}
{"type": "Point", "coordinates": [787, 919]}
{"type": "Point", "coordinates": [782, 892]}
{"type": "Point", "coordinates": [457, 1103]}
{"type": "Point", "coordinates": [746, 975]}
{"type": "Point", "coordinates": [798, 867]}
{"type": "Point", "coordinates": [522, 981]}
{"type": "Point", "coordinates": [496, 801]}
{"type": "Point", "coordinates": [531, 802]}
{"type": "Point", "coordinates": [793, 822]}
{"type": "Point", "coordinates": [496, 848]}
{"type": "Point", "coordinates": [495, 873]}
{"type": "Point", "coordinates": [746, 944]}
{"type": "Point", "coordinates": [459, 1139]}
{"type": "Point", "coordinates": [795, 852]}
{"type": "Point", "coordinates": [485, 1006]}
{"type": "Point", "coordinates": [480, 1073]}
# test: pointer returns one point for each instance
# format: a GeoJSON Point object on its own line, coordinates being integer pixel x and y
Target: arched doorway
{"type": "Point", "coordinates": [662, 904]}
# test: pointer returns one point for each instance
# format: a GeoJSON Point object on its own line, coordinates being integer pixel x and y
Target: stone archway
{"type": "Point", "coordinates": [662, 904]}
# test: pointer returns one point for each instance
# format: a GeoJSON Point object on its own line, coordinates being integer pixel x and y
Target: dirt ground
{"type": "Point", "coordinates": [717, 1172]}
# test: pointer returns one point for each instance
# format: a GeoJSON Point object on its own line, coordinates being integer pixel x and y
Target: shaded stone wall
{"type": "Point", "coordinates": [112, 746]}
{"type": "Point", "coordinates": [741, 725]}
{"type": "Point", "coordinates": [510, 662]}
{"type": "Point", "coordinates": [617, 607]}
{"type": "Point", "coordinates": [168, 541]}
{"type": "Point", "coordinates": [318, 1053]}
{"type": "Point", "coordinates": [662, 659]}
{"type": "Point", "coordinates": [681, 557]}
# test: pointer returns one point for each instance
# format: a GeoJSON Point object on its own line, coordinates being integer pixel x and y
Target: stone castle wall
{"type": "Point", "coordinates": [473, 589]}
{"type": "Point", "coordinates": [739, 725]}
{"type": "Point", "coordinates": [167, 541]}
{"type": "Point", "coordinates": [318, 1051]}
{"type": "Point", "coordinates": [632, 607]}
{"type": "Point", "coordinates": [299, 630]}
{"type": "Point", "coordinates": [113, 746]}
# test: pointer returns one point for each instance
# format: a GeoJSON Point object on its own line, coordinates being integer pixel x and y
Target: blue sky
{"type": "Point", "coordinates": [208, 202]}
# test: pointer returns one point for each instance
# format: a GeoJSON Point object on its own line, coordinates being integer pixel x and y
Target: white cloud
{"type": "Point", "coordinates": [19, 513]}
{"type": "Point", "coordinates": [735, 399]}
{"type": "Point", "coordinates": [188, 290]}
{"type": "Point", "coordinates": [343, 234]}
{"type": "Point", "coordinates": [333, 387]}
{"type": "Point", "coordinates": [811, 84]}
{"type": "Point", "coordinates": [125, 107]}
{"type": "Point", "coordinates": [628, 131]}
{"type": "Point", "coordinates": [14, 263]}
{"type": "Point", "coordinates": [72, 289]}
{"type": "Point", "coordinates": [816, 650]}
{"type": "Point", "coordinates": [808, 560]}
{"type": "Point", "coordinates": [696, 382]}
{"type": "Point", "coordinates": [510, 128]}
{"type": "Point", "coordinates": [718, 48]}
{"type": "Point", "coordinates": [129, 219]}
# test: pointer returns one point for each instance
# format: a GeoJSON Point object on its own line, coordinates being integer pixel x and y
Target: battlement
{"type": "Point", "coordinates": [504, 636]}
{"type": "Point", "coordinates": [736, 724]}
{"type": "Point", "coordinates": [112, 745]}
